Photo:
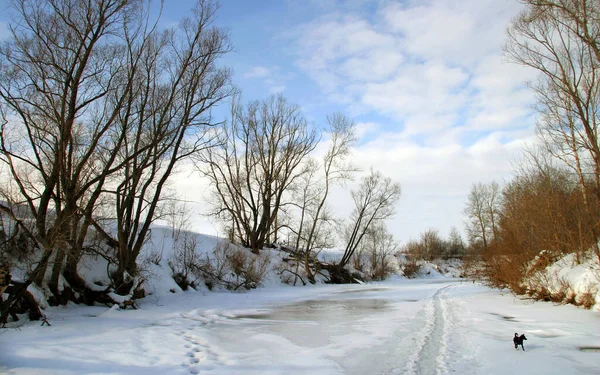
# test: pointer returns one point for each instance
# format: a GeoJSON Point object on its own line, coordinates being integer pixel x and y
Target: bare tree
{"type": "Point", "coordinates": [374, 201]}
{"type": "Point", "coordinates": [255, 158]}
{"type": "Point", "coordinates": [316, 187]}
{"type": "Point", "coordinates": [432, 244]}
{"type": "Point", "coordinates": [55, 79]}
{"type": "Point", "coordinates": [455, 247]}
{"type": "Point", "coordinates": [377, 247]}
{"type": "Point", "coordinates": [97, 107]}
{"type": "Point", "coordinates": [559, 38]}
{"type": "Point", "coordinates": [168, 120]}
{"type": "Point", "coordinates": [482, 211]}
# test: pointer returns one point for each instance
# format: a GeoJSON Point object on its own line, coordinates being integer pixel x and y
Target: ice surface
{"type": "Point", "coordinates": [433, 326]}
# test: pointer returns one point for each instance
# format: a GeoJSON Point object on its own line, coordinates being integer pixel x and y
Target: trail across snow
{"type": "Point", "coordinates": [430, 355]}
{"type": "Point", "coordinates": [400, 327]}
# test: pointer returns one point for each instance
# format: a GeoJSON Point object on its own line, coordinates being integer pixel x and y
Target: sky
{"type": "Point", "coordinates": [436, 106]}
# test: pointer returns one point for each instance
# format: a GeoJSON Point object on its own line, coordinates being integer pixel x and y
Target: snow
{"type": "Point", "coordinates": [422, 326]}
{"type": "Point", "coordinates": [581, 278]}
{"type": "Point", "coordinates": [434, 324]}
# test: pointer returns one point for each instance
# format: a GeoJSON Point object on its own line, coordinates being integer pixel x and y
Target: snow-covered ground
{"type": "Point", "coordinates": [432, 326]}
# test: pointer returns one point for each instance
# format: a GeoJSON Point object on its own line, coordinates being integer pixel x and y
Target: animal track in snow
{"type": "Point", "coordinates": [200, 356]}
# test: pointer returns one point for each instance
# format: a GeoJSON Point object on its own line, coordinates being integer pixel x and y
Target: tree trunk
{"type": "Point", "coordinates": [57, 271]}
{"type": "Point", "coordinates": [339, 274]}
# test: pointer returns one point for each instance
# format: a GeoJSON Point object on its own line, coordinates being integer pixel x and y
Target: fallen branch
{"type": "Point", "coordinates": [293, 273]}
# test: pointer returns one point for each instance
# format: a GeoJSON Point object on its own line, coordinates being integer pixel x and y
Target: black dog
{"type": "Point", "coordinates": [518, 340]}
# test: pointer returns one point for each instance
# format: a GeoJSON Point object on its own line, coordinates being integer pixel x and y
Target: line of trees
{"type": "Point", "coordinates": [98, 105]}
{"type": "Point", "coordinates": [553, 203]}
{"type": "Point", "coordinates": [255, 158]}
{"type": "Point", "coordinates": [266, 183]}
{"type": "Point", "coordinates": [431, 246]}
{"type": "Point", "coordinates": [98, 108]}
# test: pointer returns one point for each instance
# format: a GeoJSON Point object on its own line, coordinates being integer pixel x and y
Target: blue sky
{"type": "Point", "coordinates": [437, 108]}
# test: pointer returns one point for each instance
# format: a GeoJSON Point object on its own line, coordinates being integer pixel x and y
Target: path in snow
{"type": "Point", "coordinates": [432, 333]}
{"type": "Point", "coordinates": [431, 356]}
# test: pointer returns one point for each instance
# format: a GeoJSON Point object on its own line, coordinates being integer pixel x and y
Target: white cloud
{"type": "Point", "coordinates": [338, 49]}
{"type": "Point", "coordinates": [435, 179]}
{"type": "Point", "coordinates": [449, 112]}
{"type": "Point", "coordinates": [272, 79]}
{"type": "Point", "coordinates": [364, 129]}
{"type": "Point", "coordinates": [258, 72]}
{"type": "Point", "coordinates": [457, 113]}
{"type": "Point", "coordinates": [418, 89]}
{"type": "Point", "coordinates": [456, 31]}
{"type": "Point", "coordinates": [433, 66]}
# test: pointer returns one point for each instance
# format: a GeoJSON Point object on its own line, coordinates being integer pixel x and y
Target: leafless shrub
{"type": "Point", "coordinates": [373, 258]}
{"type": "Point", "coordinates": [291, 269]}
{"type": "Point", "coordinates": [185, 261]}
{"type": "Point", "coordinates": [286, 272]}
{"type": "Point", "coordinates": [358, 261]}
{"type": "Point", "coordinates": [539, 286]}
{"type": "Point", "coordinates": [504, 270]}
{"type": "Point", "coordinates": [233, 268]}
{"type": "Point", "coordinates": [411, 268]}
{"type": "Point", "coordinates": [542, 286]}
{"type": "Point", "coordinates": [155, 257]}
{"type": "Point", "coordinates": [570, 297]}
{"type": "Point", "coordinates": [587, 299]}
{"type": "Point", "coordinates": [431, 246]}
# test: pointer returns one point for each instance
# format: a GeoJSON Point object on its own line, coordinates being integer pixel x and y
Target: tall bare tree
{"type": "Point", "coordinates": [167, 120]}
{"type": "Point", "coordinates": [255, 158]}
{"type": "Point", "coordinates": [92, 95]}
{"type": "Point", "coordinates": [483, 211]}
{"type": "Point", "coordinates": [378, 246]}
{"type": "Point", "coordinates": [55, 79]}
{"type": "Point", "coordinates": [374, 201]}
{"type": "Point", "coordinates": [560, 39]}
{"type": "Point", "coordinates": [315, 188]}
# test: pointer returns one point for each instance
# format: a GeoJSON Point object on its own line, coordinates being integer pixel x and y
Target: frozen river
{"type": "Point", "coordinates": [403, 327]}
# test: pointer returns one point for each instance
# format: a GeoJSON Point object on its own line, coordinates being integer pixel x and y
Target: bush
{"type": "Point", "coordinates": [373, 257]}
{"type": "Point", "coordinates": [184, 262]}
{"type": "Point", "coordinates": [233, 268]}
{"type": "Point", "coordinates": [411, 268]}
{"type": "Point", "coordinates": [587, 299]}
{"type": "Point", "coordinates": [502, 271]}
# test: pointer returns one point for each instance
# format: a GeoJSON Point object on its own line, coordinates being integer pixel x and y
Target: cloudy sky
{"type": "Point", "coordinates": [436, 106]}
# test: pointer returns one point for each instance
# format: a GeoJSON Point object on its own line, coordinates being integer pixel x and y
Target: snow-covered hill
{"type": "Point", "coordinates": [566, 279]}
